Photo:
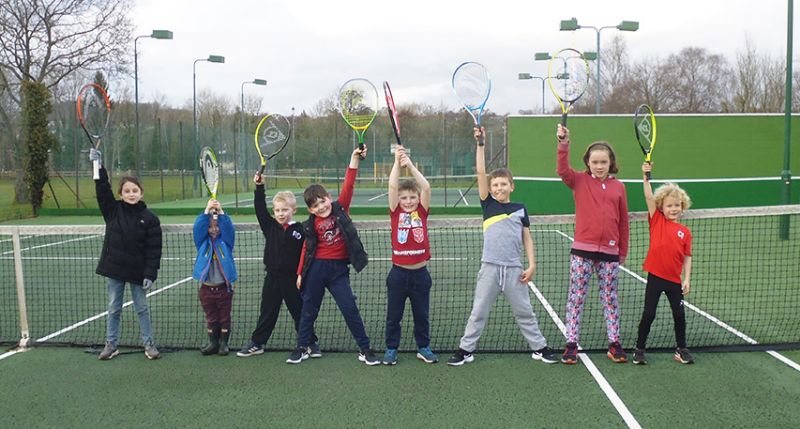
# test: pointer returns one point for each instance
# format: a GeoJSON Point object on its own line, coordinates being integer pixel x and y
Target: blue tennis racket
{"type": "Point", "coordinates": [472, 86]}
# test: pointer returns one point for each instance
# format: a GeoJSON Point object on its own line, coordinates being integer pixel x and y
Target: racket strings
{"type": "Point", "coordinates": [210, 170]}
{"type": "Point", "coordinates": [472, 85]}
{"type": "Point", "coordinates": [93, 113]}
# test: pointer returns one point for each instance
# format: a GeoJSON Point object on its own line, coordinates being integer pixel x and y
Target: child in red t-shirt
{"type": "Point", "coordinates": [409, 278]}
{"type": "Point", "coordinates": [670, 254]}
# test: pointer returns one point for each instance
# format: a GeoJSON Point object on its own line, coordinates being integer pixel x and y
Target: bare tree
{"type": "Point", "coordinates": [46, 41]}
{"type": "Point", "coordinates": [701, 78]}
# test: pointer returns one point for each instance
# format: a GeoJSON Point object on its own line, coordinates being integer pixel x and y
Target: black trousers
{"type": "Point", "coordinates": [655, 286]}
{"type": "Point", "coordinates": [278, 288]}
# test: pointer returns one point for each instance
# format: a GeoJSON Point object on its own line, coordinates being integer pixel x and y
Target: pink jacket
{"type": "Point", "coordinates": [601, 209]}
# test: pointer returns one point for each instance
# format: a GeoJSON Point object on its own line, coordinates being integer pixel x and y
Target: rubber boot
{"type": "Point", "coordinates": [223, 342]}
{"type": "Point", "coordinates": [213, 343]}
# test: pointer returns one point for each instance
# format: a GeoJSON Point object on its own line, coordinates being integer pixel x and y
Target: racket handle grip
{"type": "Point", "coordinates": [648, 176]}
{"type": "Point", "coordinates": [361, 147]}
{"type": "Point", "coordinates": [481, 140]}
{"type": "Point", "coordinates": [96, 170]}
{"type": "Point", "coordinates": [563, 119]}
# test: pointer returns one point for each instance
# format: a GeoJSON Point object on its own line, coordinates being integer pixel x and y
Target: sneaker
{"type": "Point", "coordinates": [683, 356]}
{"type": "Point", "coordinates": [251, 349]}
{"type": "Point", "coordinates": [427, 355]}
{"type": "Point", "coordinates": [151, 352]}
{"type": "Point", "coordinates": [298, 355]}
{"type": "Point", "coordinates": [109, 351]}
{"type": "Point", "coordinates": [314, 350]}
{"type": "Point", "coordinates": [545, 354]}
{"type": "Point", "coordinates": [460, 357]}
{"type": "Point", "coordinates": [639, 358]}
{"type": "Point", "coordinates": [390, 357]}
{"type": "Point", "coordinates": [570, 356]}
{"type": "Point", "coordinates": [368, 357]}
{"type": "Point", "coordinates": [615, 353]}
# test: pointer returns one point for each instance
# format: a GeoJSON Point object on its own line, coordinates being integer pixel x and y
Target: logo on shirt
{"type": "Point", "coordinates": [612, 242]}
{"type": "Point", "coordinates": [409, 220]}
{"type": "Point", "coordinates": [297, 235]}
{"type": "Point", "coordinates": [419, 235]}
{"type": "Point", "coordinates": [402, 236]}
{"type": "Point", "coordinates": [681, 234]}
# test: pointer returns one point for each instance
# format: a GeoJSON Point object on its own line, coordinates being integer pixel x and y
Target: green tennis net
{"type": "Point", "coordinates": [745, 286]}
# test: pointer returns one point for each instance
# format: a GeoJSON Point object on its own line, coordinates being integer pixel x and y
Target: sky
{"type": "Point", "coordinates": [306, 49]}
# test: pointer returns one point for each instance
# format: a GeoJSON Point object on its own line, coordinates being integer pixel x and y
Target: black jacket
{"type": "Point", "coordinates": [358, 256]}
{"type": "Point", "coordinates": [132, 243]}
{"type": "Point", "coordinates": [283, 246]}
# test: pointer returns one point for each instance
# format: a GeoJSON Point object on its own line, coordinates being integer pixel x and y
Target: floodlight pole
{"type": "Point", "coordinates": [244, 142]}
{"type": "Point", "coordinates": [526, 76]}
{"type": "Point", "coordinates": [786, 174]}
{"type": "Point", "coordinates": [572, 25]}
{"type": "Point", "coordinates": [211, 59]}
{"type": "Point", "coordinates": [155, 34]}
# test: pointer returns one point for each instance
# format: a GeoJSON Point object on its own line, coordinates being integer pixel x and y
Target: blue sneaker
{"type": "Point", "coordinates": [426, 355]}
{"type": "Point", "coordinates": [298, 355]}
{"type": "Point", "coordinates": [314, 351]}
{"type": "Point", "coordinates": [390, 357]}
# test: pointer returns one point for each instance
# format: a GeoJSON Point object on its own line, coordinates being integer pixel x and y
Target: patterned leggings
{"type": "Point", "coordinates": [580, 272]}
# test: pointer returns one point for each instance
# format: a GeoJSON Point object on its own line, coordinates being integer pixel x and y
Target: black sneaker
{"type": "Point", "coordinates": [545, 355]}
{"type": "Point", "coordinates": [368, 357]}
{"type": "Point", "coordinates": [683, 356]}
{"type": "Point", "coordinates": [298, 355]}
{"type": "Point", "coordinates": [460, 357]}
{"type": "Point", "coordinates": [314, 351]}
{"type": "Point", "coordinates": [639, 358]}
{"type": "Point", "coordinates": [251, 349]}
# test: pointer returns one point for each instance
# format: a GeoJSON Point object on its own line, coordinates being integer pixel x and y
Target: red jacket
{"type": "Point", "coordinates": [601, 209]}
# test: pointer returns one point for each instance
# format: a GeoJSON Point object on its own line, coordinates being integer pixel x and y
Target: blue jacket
{"type": "Point", "coordinates": [222, 246]}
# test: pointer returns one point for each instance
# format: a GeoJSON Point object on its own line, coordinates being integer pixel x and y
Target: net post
{"type": "Point", "coordinates": [21, 303]}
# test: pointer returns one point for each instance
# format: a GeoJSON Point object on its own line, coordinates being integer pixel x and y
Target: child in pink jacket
{"type": "Point", "coordinates": [601, 239]}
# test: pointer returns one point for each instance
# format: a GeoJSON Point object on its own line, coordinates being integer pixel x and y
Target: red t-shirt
{"type": "Point", "coordinates": [669, 243]}
{"type": "Point", "coordinates": [410, 236]}
{"type": "Point", "coordinates": [330, 239]}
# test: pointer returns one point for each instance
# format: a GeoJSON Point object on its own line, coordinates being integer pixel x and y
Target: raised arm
{"type": "Point", "coordinates": [265, 219]}
{"type": "Point", "coordinates": [105, 196]}
{"type": "Point", "coordinates": [648, 189]}
{"type": "Point", "coordinates": [480, 164]}
{"type": "Point", "coordinates": [394, 178]}
{"type": "Point", "coordinates": [424, 186]}
{"type": "Point", "coordinates": [563, 169]}
{"type": "Point", "coordinates": [346, 196]}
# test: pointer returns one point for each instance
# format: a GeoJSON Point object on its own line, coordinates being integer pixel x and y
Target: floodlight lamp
{"type": "Point", "coordinates": [542, 56]}
{"type": "Point", "coordinates": [525, 76]}
{"type": "Point", "coordinates": [216, 58]}
{"type": "Point", "coordinates": [628, 26]}
{"type": "Point", "coordinates": [161, 34]}
{"type": "Point", "coordinates": [569, 24]}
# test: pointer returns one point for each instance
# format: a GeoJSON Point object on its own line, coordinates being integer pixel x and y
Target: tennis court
{"type": "Point", "coordinates": [745, 295]}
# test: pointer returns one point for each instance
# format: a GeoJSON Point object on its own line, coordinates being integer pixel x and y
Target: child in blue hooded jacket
{"type": "Point", "coordinates": [215, 269]}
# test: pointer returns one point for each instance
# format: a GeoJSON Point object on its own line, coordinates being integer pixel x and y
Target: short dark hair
{"type": "Point", "coordinates": [313, 193]}
{"type": "Point", "coordinates": [501, 172]}
{"type": "Point", "coordinates": [601, 145]}
{"type": "Point", "coordinates": [408, 185]}
{"type": "Point", "coordinates": [133, 179]}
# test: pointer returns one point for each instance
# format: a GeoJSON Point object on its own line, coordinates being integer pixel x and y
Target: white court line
{"type": "Point", "coordinates": [601, 381]}
{"type": "Point", "coordinates": [12, 353]}
{"type": "Point", "coordinates": [463, 198]}
{"type": "Point", "coordinates": [711, 318]}
{"type": "Point", "coordinates": [53, 244]}
{"type": "Point", "coordinates": [379, 196]}
{"type": "Point", "coordinates": [105, 313]}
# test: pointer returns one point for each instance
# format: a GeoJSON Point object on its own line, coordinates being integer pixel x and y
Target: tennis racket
{"type": "Point", "coordinates": [272, 135]}
{"type": "Point", "coordinates": [568, 74]}
{"type": "Point", "coordinates": [472, 86]}
{"type": "Point", "coordinates": [209, 170]}
{"type": "Point", "coordinates": [644, 125]}
{"type": "Point", "coordinates": [94, 114]}
{"type": "Point", "coordinates": [387, 91]}
{"type": "Point", "coordinates": [358, 104]}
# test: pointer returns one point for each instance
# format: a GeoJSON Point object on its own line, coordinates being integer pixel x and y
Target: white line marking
{"type": "Point", "coordinates": [708, 316]}
{"type": "Point", "coordinates": [12, 353]}
{"type": "Point", "coordinates": [612, 396]}
{"type": "Point", "coordinates": [379, 196]}
{"type": "Point", "coordinates": [463, 198]}
{"type": "Point", "coordinates": [53, 244]}
{"type": "Point", "coordinates": [105, 313]}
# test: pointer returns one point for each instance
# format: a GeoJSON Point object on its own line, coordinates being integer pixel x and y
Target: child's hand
{"type": "Point", "coordinates": [646, 168]}
{"type": "Point", "coordinates": [359, 154]}
{"type": "Point", "coordinates": [399, 151]}
{"type": "Point", "coordinates": [562, 134]}
{"type": "Point", "coordinates": [258, 179]}
{"type": "Point", "coordinates": [685, 287]}
{"type": "Point", "coordinates": [478, 133]}
{"type": "Point", "coordinates": [405, 161]}
{"type": "Point", "coordinates": [299, 282]}
{"type": "Point", "coordinates": [527, 275]}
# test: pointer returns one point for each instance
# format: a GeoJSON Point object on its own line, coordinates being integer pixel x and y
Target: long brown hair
{"type": "Point", "coordinates": [601, 145]}
{"type": "Point", "coordinates": [133, 179]}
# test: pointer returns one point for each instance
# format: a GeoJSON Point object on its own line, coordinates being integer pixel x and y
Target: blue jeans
{"type": "Point", "coordinates": [116, 293]}
{"type": "Point", "coordinates": [334, 275]}
{"type": "Point", "coordinates": [415, 285]}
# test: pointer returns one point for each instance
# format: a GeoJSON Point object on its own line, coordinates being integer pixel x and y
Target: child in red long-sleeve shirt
{"type": "Point", "coordinates": [601, 239]}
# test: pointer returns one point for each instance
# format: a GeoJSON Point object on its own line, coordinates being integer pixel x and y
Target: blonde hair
{"type": "Point", "coordinates": [670, 189]}
{"type": "Point", "coordinates": [286, 197]}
